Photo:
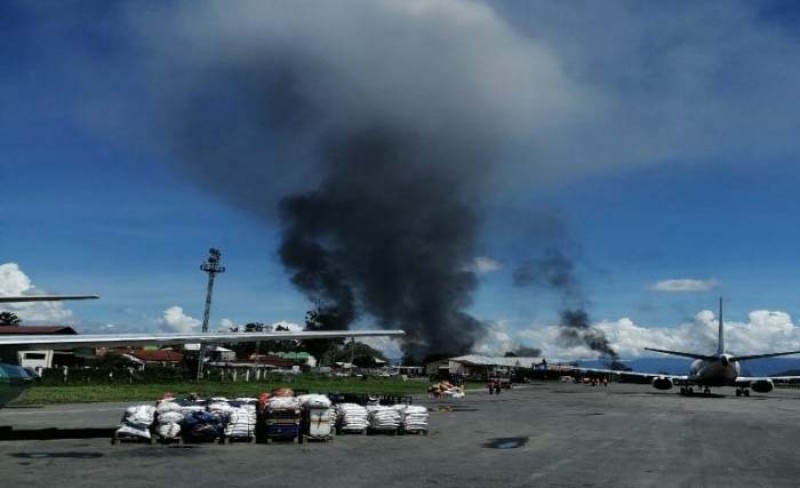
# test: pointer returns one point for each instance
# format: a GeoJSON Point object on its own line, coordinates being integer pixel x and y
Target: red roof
{"type": "Point", "coordinates": [37, 330]}
{"type": "Point", "coordinates": [158, 356]}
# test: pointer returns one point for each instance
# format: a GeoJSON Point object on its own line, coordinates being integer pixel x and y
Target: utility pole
{"type": "Point", "coordinates": [212, 267]}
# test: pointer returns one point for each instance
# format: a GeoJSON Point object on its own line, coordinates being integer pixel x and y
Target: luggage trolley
{"type": "Point", "coordinates": [280, 424]}
{"type": "Point", "coordinates": [318, 423]}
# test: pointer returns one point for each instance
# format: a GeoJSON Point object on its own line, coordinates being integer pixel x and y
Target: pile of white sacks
{"type": "Point", "coordinates": [413, 418]}
{"type": "Point", "coordinates": [136, 422]}
{"type": "Point", "coordinates": [352, 417]}
{"type": "Point", "coordinates": [383, 418]}
{"type": "Point", "coordinates": [238, 416]}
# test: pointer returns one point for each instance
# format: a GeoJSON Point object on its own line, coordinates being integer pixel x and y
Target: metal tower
{"type": "Point", "coordinates": [212, 267]}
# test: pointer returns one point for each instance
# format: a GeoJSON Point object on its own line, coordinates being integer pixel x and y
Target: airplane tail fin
{"type": "Point", "coordinates": [721, 342]}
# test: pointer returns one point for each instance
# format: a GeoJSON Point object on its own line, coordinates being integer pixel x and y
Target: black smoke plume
{"type": "Point", "coordinates": [383, 233]}
{"type": "Point", "coordinates": [556, 271]}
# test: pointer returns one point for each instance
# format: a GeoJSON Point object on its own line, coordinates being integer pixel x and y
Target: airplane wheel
{"type": "Point", "coordinates": [738, 392]}
{"type": "Point", "coordinates": [747, 393]}
{"type": "Point", "coordinates": [690, 391]}
{"type": "Point", "coordinates": [683, 390]}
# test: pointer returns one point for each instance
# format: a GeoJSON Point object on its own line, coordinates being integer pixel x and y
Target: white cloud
{"type": "Point", "coordinates": [13, 282]}
{"type": "Point", "coordinates": [764, 331]}
{"type": "Point", "coordinates": [685, 285]}
{"type": "Point", "coordinates": [175, 320]}
{"type": "Point", "coordinates": [497, 340]}
{"type": "Point", "coordinates": [483, 265]}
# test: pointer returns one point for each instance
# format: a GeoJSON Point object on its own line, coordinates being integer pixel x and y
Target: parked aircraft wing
{"type": "Point", "coordinates": [66, 342]}
{"type": "Point", "coordinates": [683, 354]}
{"type": "Point", "coordinates": [760, 356]}
{"type": "Point", "coordinates": [45, 298]}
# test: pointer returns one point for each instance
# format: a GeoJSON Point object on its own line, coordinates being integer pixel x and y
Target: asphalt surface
{"type": "Point", "coordinates": [549, 435]}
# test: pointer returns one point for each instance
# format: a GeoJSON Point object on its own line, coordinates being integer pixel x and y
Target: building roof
{"type": "Point", "coordinates": [36, 330]}
{"type": "Point", "coordinates": [476, 360]}
{"type": "Point", "coordinates": [158, 356]}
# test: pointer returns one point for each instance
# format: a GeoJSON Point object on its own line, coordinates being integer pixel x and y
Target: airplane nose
{"type": "Point", "coordinates": [725, 360]}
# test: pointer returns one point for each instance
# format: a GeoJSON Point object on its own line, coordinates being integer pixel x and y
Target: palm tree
{"type": "Point", "coordinates": [9, 318]}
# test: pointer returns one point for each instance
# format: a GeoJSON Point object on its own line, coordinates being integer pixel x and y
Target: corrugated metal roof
{"type": "Point", "coordinates": [476, 360]}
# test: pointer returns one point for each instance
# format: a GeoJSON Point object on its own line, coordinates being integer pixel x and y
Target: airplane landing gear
{"type": "Point", "coordinates": [742, 391]}
{"type": "Point", "coordinates": [687, 390]}
{"type": "Point", "coordinates": [706, 391]}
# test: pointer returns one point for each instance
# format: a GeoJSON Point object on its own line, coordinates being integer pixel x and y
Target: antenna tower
{"type": "Point", "coordinates": [212, 267]}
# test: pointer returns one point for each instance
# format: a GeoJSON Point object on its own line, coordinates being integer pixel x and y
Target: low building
{"type": "Point", "coordinates": [45, 358]}
{"type": "Point", "coordinates": [473, 365]}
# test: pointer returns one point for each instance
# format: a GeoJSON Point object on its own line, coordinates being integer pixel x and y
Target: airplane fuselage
{"type": "Point", "coordinates": [14, 380]}
{"type": "Point", "coordinates": [720, 371]}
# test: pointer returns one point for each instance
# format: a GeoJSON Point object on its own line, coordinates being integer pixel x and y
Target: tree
{"type": "Point", "coordinates": [9, 319]}
{"type": "Point", "coordinates": [362, 355]}
{"type": "Point", "coordinates": [323, 319]}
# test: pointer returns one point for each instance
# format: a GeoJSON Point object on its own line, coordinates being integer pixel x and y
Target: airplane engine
{"type": "Point", "coordinates": [762, 386]}
{"type": "Point", "coordinates": [662, 383]}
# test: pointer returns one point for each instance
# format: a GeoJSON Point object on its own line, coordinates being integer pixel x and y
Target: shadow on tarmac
{"type": "Point", "coordinates": [11, 434]}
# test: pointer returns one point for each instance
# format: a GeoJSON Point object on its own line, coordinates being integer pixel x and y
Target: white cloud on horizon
{"type": "Point", "coordinates": [685, 285]}
{"type": "Point", "coordinates": [175, 320]}
{"type": "Point", "coordinates": [764, 331]}
{"type": "Point", "coordinates": [14, 282]}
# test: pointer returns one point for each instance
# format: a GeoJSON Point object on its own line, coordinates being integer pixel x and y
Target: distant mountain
{"type": "Point", "coordinates": [668, 365]}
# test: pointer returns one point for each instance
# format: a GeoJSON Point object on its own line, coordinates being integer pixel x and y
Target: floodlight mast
{"type": "Point", "coordinates": [212, 267]}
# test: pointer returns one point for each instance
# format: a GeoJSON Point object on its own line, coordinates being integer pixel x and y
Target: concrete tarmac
{"type": "Point", "coordinates": [548, 435]}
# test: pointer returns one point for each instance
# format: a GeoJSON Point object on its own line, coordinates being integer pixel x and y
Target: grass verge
{"type": "Point", "coordinates": [48, 395]}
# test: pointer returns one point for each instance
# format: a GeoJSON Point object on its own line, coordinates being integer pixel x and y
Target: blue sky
{"type": "Point", "coordinates": [667, 151]}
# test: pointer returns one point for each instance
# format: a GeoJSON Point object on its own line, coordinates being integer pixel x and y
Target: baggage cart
{"type": "Point", "coordinates": [318, 424]}
{"type": "Point", "coordinates": [282, 424]}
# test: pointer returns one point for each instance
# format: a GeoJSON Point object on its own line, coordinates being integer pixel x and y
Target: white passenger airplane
{"type": "Point", "coordinates": [708, 370]}
{"type": "Point", "coordinates": [14, 379]}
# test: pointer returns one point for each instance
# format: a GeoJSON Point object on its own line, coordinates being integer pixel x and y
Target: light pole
{"type": "Point", "coordinates": [212, 267]}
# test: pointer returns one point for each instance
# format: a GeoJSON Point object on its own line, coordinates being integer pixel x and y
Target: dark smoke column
{"type": "Point", "coordinates": [386, 231]}
{"type": "Point", "coordinates": [556, 271]}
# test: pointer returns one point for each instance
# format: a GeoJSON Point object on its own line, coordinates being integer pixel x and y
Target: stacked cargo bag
{"type": "Point", "coordinates": [201, 426]}
{"type": "Point", "coordinates": [413, 418]}
{"type": "Point", "coordinates": [383, 419]}
{"type": "Point", "coordinates": [351, 418]}
{"type": "Point", "coordinates": [220, 408]}
{"type": "Point", "coordinates": [241, 424]}
{"type": "Point", "coordinates": [168, 420]}
{"type": "Point", "coordinates": [319, 417]}
{"type": "Point", "coordinates": [136, 423]}
{"type": "Point", "coordinates": [247, 401]}
{"type": "Point", "coordinates": [191, 405]}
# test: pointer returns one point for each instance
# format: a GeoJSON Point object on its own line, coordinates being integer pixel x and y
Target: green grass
{"type": "Point", "coordinates": [47, 395]}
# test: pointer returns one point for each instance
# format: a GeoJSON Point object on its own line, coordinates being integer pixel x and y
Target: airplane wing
{"type": "Point", "coordinates": [682, 354]}
{"type": "Point", "coordinates": [626, 375]}
{"type": "Point", "coordinates": [760, 356]}
{"type": "Point", "coordinates": [67, 342]}
{"type": "Point", "coordinates": [44, 298]}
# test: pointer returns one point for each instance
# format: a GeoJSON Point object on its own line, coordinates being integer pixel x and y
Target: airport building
{"type": "Point", "coordinates": [42, 359]}
{"type": "Point", "coordinates": [473, 365]}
